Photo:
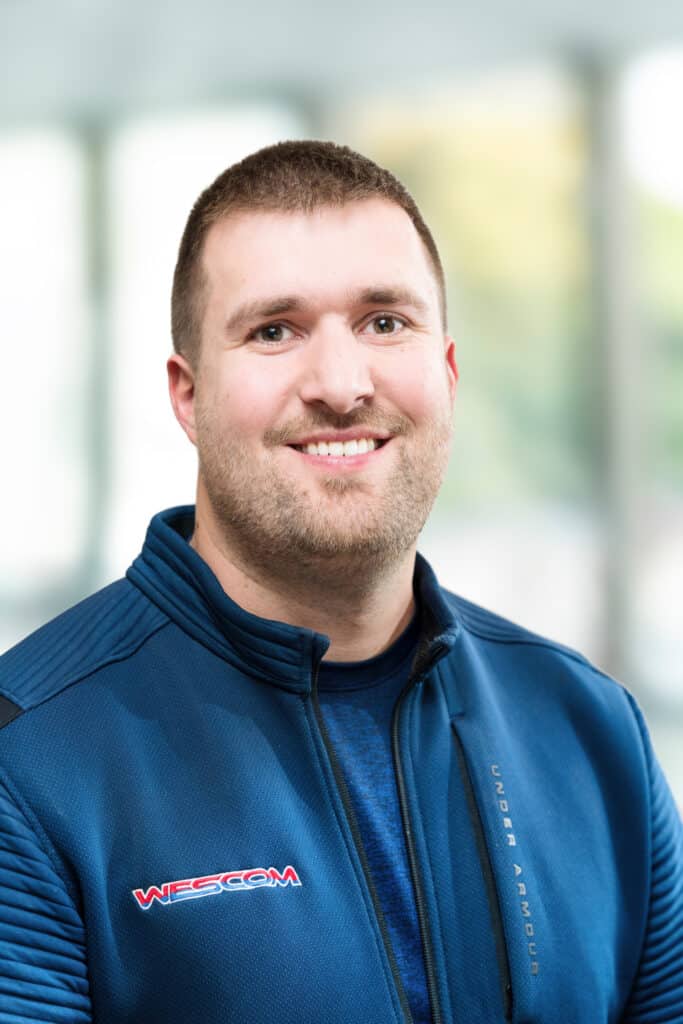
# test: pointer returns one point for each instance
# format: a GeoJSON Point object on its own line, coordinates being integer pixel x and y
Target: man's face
{"type": "Point", "coordinates": [321, 327]}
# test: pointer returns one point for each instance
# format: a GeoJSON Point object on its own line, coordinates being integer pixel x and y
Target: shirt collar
{"type": "Point", "coordinates": [171, 573]}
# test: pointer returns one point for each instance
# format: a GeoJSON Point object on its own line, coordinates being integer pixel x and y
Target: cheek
{"type": "Point", "coordinates": [245, 405]}
{"type": "Point", "coordinates": [418, 387]}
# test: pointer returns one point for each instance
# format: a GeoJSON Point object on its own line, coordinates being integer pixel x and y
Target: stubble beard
{"type": "Point", "coordinates": [335, 531]}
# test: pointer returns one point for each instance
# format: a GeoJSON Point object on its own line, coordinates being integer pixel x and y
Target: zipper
{"type": "Point", "coordinates": [355, 832]}
{"type": "Point", "coordinates": [489, 880]}
{"type": "Point", "coordinates": [420, 902]}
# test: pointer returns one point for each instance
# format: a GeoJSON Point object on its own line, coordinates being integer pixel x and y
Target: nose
{"type": "Point", "coordinates": [337, 370]}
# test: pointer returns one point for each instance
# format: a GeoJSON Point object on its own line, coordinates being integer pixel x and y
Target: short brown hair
{"type": "Point", "coordinates": [289, 176]}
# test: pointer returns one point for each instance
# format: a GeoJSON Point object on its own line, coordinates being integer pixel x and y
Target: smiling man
{"type": "Point", "coordinates": [277, 773]}
{"type": "Point", "coordinates": [320, 400]}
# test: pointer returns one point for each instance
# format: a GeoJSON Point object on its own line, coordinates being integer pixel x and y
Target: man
{"type": "Point", "coordinates": [277, 774]}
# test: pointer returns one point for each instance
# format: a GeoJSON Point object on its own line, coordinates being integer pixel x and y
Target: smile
{"type": "Point", "coordinates": [345, 449]}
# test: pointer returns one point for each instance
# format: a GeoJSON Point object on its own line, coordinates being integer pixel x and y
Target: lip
{"type": "Point", "coordinates": [354, 434]}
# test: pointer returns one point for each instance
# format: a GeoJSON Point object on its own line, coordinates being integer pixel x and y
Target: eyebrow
{"type": "Point", "coordinates": [385, 295]}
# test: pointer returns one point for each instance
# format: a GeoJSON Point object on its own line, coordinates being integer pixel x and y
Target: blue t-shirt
{"type": "Point", "coordinates": [357, 701]}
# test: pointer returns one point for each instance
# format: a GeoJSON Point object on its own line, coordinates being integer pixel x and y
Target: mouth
{"type": "Point", "coordinates": [341, 449]}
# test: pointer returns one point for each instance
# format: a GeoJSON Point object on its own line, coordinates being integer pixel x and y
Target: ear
{"type": "Point", "coordinates": [181, 379]}
{"type": "Point", "coordinates": [451, 365]}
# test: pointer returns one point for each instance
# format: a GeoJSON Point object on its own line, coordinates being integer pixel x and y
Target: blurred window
{"type": "Point", "coordinates": [653, 98]}
{"type": "Point", "coordinates": [44, 467]}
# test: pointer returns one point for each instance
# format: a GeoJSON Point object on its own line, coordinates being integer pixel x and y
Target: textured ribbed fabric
{"type": "Point", "coordinates": [43, 972]}
{"type": "Point", "coordinates": [104, 628]}
{"type": "Point", "coordinates": [658, 994]}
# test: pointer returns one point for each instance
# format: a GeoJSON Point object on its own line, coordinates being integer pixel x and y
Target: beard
{"type": "Point", "coordinates": [336, 529]}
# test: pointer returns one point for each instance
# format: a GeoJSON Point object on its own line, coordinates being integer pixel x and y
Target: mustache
{"type": "Point", "coordinates": [329, 420]}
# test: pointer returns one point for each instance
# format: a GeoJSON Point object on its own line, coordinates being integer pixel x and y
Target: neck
{"type": "Point", "coordinates": [362, 616]}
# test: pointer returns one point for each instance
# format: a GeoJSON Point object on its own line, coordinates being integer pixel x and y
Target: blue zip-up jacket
{"type": "Point", "coordinates": [177, 845]}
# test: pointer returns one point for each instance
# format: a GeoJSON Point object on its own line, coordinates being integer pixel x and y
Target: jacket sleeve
{"type": "Point", "coordinates": [43, 974]}
{"type": "Point", "coordinates": [657, 993]}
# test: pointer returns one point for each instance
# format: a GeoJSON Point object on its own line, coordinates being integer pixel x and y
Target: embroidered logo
{"type": "Point", "coordinates": [214, 885]}
{"type": "Point", "coordinates": [520, 884]}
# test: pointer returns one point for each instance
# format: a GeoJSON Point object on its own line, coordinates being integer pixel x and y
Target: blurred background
{"type": "Point", "coordinates": [544, 146]}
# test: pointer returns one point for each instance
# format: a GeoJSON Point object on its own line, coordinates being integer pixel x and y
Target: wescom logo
{"type": "Point", "coordinates": [213, 885]}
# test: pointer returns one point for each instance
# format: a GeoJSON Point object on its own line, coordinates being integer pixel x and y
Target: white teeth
{"type": "Point", "coordinates": [361, 447]}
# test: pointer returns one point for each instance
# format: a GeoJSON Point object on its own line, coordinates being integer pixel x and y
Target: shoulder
{"type": "Point", "coordinates": [527, 664]}
{"type": "Point", "coordinates": [489, 626]}
{"type": "Point", "coordinates": [108, 626]}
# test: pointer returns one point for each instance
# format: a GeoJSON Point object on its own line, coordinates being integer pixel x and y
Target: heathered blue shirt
{"type": "Point", "coordinates": [357, 701]}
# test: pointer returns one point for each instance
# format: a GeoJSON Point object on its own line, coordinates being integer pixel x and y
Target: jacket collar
{"type": "Point", "coordinates": [179, 581]}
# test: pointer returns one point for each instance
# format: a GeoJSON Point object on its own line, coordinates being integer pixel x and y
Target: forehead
{"type": "Point", "coordinates": [328, 251]}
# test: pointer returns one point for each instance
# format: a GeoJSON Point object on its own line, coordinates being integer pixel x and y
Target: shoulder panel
{"type": "Point", "coordinates": [488, 625]}
{"type": "Point", "coordinates": [108, 626]}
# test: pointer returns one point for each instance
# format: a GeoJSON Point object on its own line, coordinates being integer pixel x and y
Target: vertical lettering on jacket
{"type": "Point", "coordinates": [523, 902]}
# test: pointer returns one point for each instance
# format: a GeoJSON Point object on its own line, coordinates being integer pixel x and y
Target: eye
{"type": "Point", "coordinates": [271, 334]}
{"type": "Point", "coordinates": [386, 324]}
